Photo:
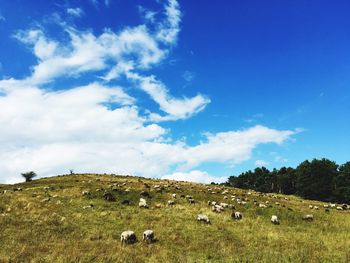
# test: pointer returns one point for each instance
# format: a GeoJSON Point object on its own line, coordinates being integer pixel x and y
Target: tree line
{"type": "Point", "coordinates": [319, 179]}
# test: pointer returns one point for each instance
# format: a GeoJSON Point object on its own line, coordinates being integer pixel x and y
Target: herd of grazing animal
{"type": "Point", "coordinates": [129, 237]}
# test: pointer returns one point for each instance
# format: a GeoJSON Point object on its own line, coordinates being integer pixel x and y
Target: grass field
{"type": "Point", "coordinates": [51, 225]}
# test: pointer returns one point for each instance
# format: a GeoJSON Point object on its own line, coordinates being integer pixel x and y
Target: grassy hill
{"type": "Point", "coordinates": [51, 221]}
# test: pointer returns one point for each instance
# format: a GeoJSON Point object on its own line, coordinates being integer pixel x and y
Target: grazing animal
{"type": "Point", "coordinates": [109, 197]}
{"type": "Point", "coordinates": [274, 220]}
{"type": "Point", "coordinates": [339, 208]}
{"type": "Point", "coordinates": [85, 193]}
{"type": "Point", "coordinates": [171, 202]}
{"type": "Point", "coordinates": [148, 236]}
{"type": "Point", "coordinates": [236, 215]}
{"type": "Point", "coordinates": [88, 206]}
{"type": "Point", "coordinates": [203, 218]}
{"type": "Point", "coordinates": [217, 208]}
{"type": "Point", "coordinates": [191, 201]}
{"type": "Point", "coordinates": [308, 217]}
{"type": "Point", "coordinates": [345, 206]}
{"type": "Point", "coordinates": [262, 206]}
{"type": "Point", "coordinates": [173, 195]}
{"type": "Point", "coordinates": [128, 237]}
{"type": "Point", "coordinates": [143, 203]}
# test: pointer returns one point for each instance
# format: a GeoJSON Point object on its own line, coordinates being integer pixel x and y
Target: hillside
{"type": "Point", "coordinates": [49, 220]}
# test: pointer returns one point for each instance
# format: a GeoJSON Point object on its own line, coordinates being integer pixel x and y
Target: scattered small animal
{"type": "Point", "coordinates": [128, 237]}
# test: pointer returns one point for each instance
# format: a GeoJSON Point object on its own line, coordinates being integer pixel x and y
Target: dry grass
{"type": "Point", "coordinates": [60, 230]}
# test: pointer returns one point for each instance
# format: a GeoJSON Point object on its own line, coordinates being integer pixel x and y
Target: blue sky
{"type": "Point", "coordinates": [182, 90]}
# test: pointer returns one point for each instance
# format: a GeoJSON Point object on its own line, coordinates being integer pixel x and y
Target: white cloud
{"type": "Point", "coordinates": [169, 29]}
{"type": "Point", "coordinates": [188, 76]}
{"type": "Point", "coordinates": [75, 57]}
{"type": "Point", "coordinates": [195, 176]}
{"type": "Point", "coordinates": [99, 127]}
{"type": "Point", "coordinates": [148, 15]}
{"type": "Point", "coordinates": [261, 163]}
{"type": "Point", "coordinates": [77, 12]}
{"type": "Point", "coordinates": [176, 108]}
{"type": "Point", "coordinates": [2, 18]}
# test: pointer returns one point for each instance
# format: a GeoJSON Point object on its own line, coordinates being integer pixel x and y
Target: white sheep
{"type": "Point", "coordinates": [203, 218]}
{"type": "Point", "coordinates": [128, 237]}
{"type": "Point", "coordinates": [88, 206]}
{"type": "Point", "coordinates": [171, 202]}
{"type": "Point", "coordinates": [274, 220]}
{"type": "Point", "coordinates": [143, 203]}
{"type": "Point", "coordinates": [236, 215]}
{"type": "Point", "coordinates": [174, 196]}
{"type": "Point", "coordinates": [217, 208]}
{"type": "Point", "coordinates": [224, 205]}
{"type": "Point", "coordinates": [148, 236]}
{"type": "Point", "coordinates": [85, 193]}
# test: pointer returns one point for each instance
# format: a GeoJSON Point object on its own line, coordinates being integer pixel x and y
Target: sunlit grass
{"type": "Point", "coordinates": [60, 230]}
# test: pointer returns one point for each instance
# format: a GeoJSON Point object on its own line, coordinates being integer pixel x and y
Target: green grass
{"type": "Point", "coordinates": [60, 230]}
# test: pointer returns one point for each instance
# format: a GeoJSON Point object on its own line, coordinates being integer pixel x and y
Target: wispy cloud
{"type": "Point", "coordinates": [188, 76]}
{"type": "Point", "coordinates": [149, 15]}
{"type": "Point", "coordinates": [170, 27]}
{"type": "Point", "coordinates": [77, 12]}
{"type": "Point", "coordinates": [261, 163]}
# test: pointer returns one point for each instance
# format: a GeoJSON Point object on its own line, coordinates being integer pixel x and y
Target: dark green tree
{"type": "Point", "coordinates": [342, 184]}
{"type": "Point", "coordinates": [315, 179]}
{"type": "Point", "coordinates": [29, 175]}
{"type": "Point", "coordinates": [286, 181]}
